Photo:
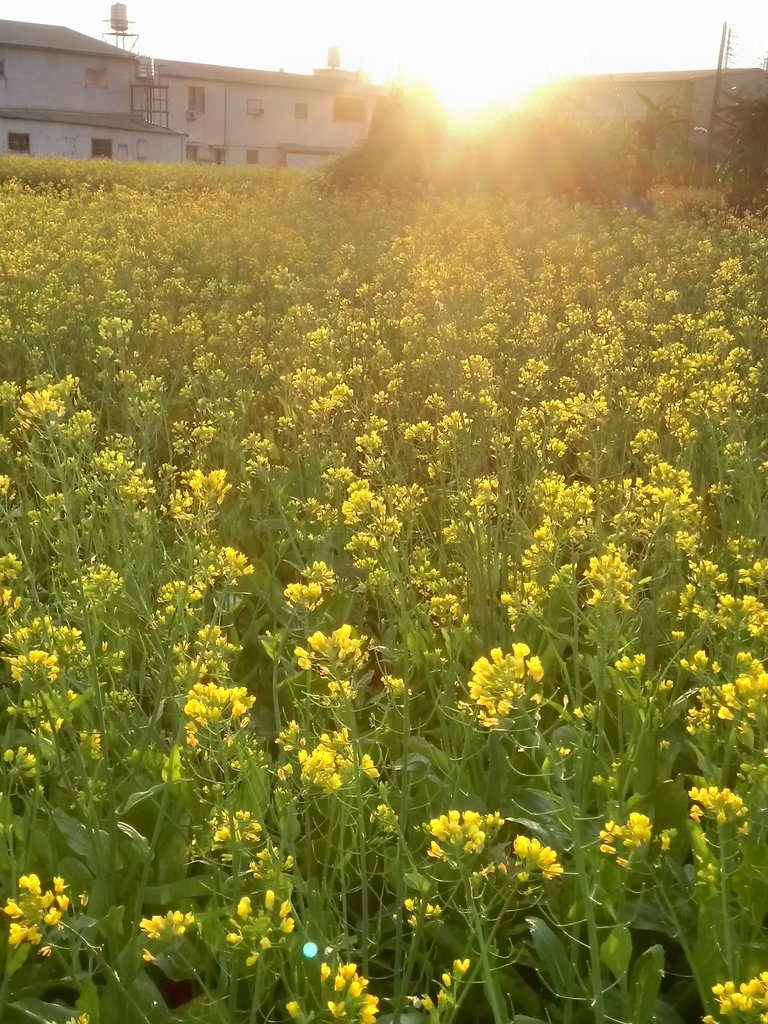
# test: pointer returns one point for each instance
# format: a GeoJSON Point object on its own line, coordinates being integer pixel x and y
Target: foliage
{"type": "Point", "coordinates": [401, 149]}
{"type": "Point", "coordinates": [383, 606]}
{"type": "Point", "coordinates": [411, 147]}
{"type": "Point", "coordinates": [744, 167]}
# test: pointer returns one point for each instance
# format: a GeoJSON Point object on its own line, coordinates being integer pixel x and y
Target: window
{"type": "Point", "coordinates": [251, 156]}
{"type": "Point", "coordinates": [96, 78]}
{"type": "Point", "coordinates": [254, 107]}
{"type": "Point", "coordinates": [219, 155]}
{"type": "Point", "coordinates": [101, 148]}
{"type": "Point", "coordinates": [349, 108]}
{"type": "Point", "coordinates": [141, 149]}
{"type": "Point", "coordinates": [18, 142]}
{"type": "Point", "coordinates": [301, 111]}
{"type": "Point", "coordinates": [2, 69]}
{"type": "Point", "coordinates": [196, 99]}
{"type": "Point", "coordinates": [191, 153]}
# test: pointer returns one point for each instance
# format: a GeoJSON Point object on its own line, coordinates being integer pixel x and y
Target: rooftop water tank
{"type": "Point", "coordinates": [145, 67]}
{"type": "Point", "coordinates": [118, 18]}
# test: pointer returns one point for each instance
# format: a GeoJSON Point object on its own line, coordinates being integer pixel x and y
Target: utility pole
{"type": "Point", "coordinates": [724, 37]}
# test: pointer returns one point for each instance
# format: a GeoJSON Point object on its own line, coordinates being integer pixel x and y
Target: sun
{"type": "Point", "coordinates": [468, 64]}
{"type": "Point", "coordinates": [493, 87]}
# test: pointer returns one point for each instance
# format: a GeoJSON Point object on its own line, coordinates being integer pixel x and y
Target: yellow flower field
{"type": "Point", "coordinates": [383, 605]}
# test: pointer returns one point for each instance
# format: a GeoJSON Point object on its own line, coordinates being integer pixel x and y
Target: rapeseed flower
{"type": "Point", "coordinates": [721, 804]}
{"type": "Point", "coordinates": [460, 832]}
{"type": "Point", "coordinates": [637, 831]}
{"type": "Point", "coordinates": [498, 685]}
{"type": "Point", "coordinates": [535, 858]}
{"type": "Point", "coordinates": [34, 910]}
{"type": "Point", "coordinates": [319, 578]}
{"type": "Point", "coordinates": [218, 708]}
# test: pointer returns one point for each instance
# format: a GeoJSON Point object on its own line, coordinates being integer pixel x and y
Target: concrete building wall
{"type": "Point", "coordinates": [747, 83]}
{"type": "Point", "coordinates": [621, 96]}
{"type": "Point", "coordinates": [240, 119]}
{"type": "Point", "coordinates": [73, 140]}
{"type": "Point", "coordinates": [45, 79]}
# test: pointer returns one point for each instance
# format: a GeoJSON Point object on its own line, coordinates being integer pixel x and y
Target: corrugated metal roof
{"type": "Point", "coordinates": [250, 76]}
{"type": "Point", "coordinates": [55, 37]}
{"type": "Point", "coordinates": [117, 122]}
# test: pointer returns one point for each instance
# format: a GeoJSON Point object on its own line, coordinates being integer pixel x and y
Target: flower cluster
{"type": "Point", "coordinates": [232, 830]}
{"type": "Point", "coordinates": [336, 658]}
{"type": "Point", "coordinates": [319, 580]}
{"type": "Point", "coordinates": [637, 831]}
{"type": "Point", "coordinates": [498, 685]}
{"type": "Point", "coordinates": [258, 931]}
{"type": "Point", "coordinates": [216, 708]}
{"type": "Point", "coordinates": [34, 910]}
{"type": "Point", "coordinates": [721, 804]}
{"type": "Point", "coordinates": [199, 495]}
{"type": "Point", "coordinates": [610, 579]}
{"type": "Point", "coordinates": [418, 910]}
{"type": "Point", "coordinates": [446, 1000]}
{"type": "Point", "coordinates": [162, 929]}
{"type": "Point", "coordinates": [333, 761]}
{"type": "Point", "coordinates": [460, 832]}
{"type": "Point", "coordinates": [535, 859]}
{"type": "Point", "coordinates": [749, 1000]}
{"type": "Point", "coordinates": [349, 1000]}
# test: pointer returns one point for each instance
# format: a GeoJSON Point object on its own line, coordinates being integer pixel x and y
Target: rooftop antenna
{"type": "Point", "coordinates": [119, 27]}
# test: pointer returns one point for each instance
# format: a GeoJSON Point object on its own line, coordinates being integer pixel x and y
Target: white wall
{"type": "Point", "coordinates": [226, 123]}
{"type": "Point", "coordinates": [56, 81]}
{"type": "Point", "coordinates": [48, 138]}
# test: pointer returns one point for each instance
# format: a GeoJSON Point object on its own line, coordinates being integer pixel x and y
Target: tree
{"type": "Point", "coordinates": [744, 167]}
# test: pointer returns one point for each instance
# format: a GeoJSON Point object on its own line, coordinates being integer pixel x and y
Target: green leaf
{"type": "Point", "coordinates": [644, 984]}
{"type": "Point", "coordinates": [616, 951]}
{"type": "Point", "coordinates": [208, 1010]}
{"type": "Point", "coordinates": [140, 842]}
{"type": "Point", "coordinates": [172, 770]}
{"type": "Point", "coordinates": [88, 1001]}
{"type": "Point", "coordinates": [553, 957]}
{"type": "Point", "coordinates": [181, 960]}
{"type": "Point", "coordinates": [17, 959]}
{"type": "Point", "coordinates": [183, 888]}
{"type": "Point", "coordinates": [644, 762]}
{"type": "Point", "coordinates": [144, 794]}
{"type": "Point", "coordinates": [80, 838]}
{"type": "Point", "coordinates": [414, 880]}
{"type": "Point", "coordinates": [37, 1011]}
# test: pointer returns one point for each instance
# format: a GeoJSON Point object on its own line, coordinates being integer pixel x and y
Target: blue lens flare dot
{"type": "Point", "coordinates": [309, 949]}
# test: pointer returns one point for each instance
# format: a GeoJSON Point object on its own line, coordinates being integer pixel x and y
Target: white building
{"type": "Point", "coordinates": [65, 94]}
{"type": "Point", "coordinates": [272, 118]}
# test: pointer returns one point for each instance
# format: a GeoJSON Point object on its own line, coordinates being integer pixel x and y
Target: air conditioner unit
{"type": "Point", "coordinates": [191, 115]}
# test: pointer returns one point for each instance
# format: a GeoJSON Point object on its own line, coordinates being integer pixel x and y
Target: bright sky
{"type": "Point", "coordinates": [469, 51]}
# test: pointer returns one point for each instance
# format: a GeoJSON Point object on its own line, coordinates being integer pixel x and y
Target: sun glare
{"type": "Point", "coordinates": [469, 64]}
{"type": "Point", "coordinates": [464, 97]}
